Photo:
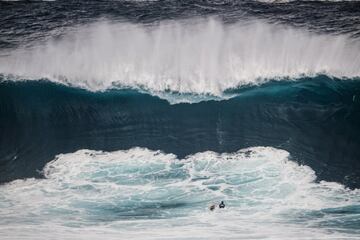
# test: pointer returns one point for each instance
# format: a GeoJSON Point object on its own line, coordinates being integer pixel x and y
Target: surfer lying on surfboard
{"type": "Point", "coordinates": [213, 206]}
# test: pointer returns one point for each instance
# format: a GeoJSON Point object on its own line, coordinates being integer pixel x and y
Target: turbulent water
{"type": "Point", "coordinates": [127, 119]}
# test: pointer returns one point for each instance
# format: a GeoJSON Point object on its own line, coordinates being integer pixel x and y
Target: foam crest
{"type": "Point", "coordinates": [190, 56]}
{"type": "Point", "coordinates": [148, 193]}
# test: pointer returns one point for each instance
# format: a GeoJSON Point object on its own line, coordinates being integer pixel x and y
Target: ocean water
{"type": "Point", "coordinates": [128, 119]}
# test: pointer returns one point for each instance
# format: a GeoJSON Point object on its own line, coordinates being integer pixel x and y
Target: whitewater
{"type": "Point", "coordinates": [146, 194]}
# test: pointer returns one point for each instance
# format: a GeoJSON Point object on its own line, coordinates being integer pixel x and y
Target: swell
{"type": "Point", "coordinates": [315, 119]}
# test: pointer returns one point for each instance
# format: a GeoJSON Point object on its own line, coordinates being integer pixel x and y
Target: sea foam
{"type": "Point", "coordinates": [141, 193]}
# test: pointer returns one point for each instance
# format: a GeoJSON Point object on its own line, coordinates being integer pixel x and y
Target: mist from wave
{"type": "Point", "coordinates": [190, 56]}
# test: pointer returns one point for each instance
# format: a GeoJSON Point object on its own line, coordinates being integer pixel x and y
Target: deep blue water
{"type": "Point", "coordinates": [315, 119]}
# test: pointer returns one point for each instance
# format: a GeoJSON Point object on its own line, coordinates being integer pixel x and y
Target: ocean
{"type": "Point", "coordinates": [128, 119]}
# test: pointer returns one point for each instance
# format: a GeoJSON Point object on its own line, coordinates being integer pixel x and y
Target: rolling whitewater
{"type": "Point", "coordinates": [128, 119]}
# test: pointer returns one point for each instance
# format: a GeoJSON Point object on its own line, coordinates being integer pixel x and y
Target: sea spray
{"type": "Point", "coordinates": [189, 56]}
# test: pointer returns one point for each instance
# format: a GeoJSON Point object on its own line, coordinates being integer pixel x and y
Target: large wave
{"type": "Point", "coordinates": [190, 56]}
{"type": "Point", "coordinates": [315, 119]}
{"type": "Point", "coordinates": [150, 194]}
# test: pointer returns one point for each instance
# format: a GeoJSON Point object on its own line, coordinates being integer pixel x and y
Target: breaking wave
{"type": "Point", "coordinates": [189, 56]}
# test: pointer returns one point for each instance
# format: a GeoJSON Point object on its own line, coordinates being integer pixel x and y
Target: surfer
{"type": "Point", "coordinates": [213, 206]}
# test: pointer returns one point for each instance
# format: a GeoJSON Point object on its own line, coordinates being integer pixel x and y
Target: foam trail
{"type": "Point", "coordinates": [192, 56]}
{"type": "Point", "coordinates": [148, 194]}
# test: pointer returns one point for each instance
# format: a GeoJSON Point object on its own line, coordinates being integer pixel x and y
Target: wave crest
{"type": "Point", "coordinates": [192, 56]}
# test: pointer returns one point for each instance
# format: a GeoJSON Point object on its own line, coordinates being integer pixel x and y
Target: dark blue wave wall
{"type": "Point", "coordinates": [317, 120]}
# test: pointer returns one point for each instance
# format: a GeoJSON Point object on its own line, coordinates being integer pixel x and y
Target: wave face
{"type": "Point", "coordinates": [316, 120]}
{"type": "Point", "coordinates": [201, 57]}
{"type": "Point", "coordinates": [147, 194]}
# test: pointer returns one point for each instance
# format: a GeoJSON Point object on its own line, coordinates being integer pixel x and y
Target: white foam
{"type": "Point", "coordinates": [143, 194]}
{"type": "Point", "coordinates": [191, 56]}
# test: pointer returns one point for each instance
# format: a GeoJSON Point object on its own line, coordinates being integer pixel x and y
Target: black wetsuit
{"type": "Point", "coordinates": [222, 204]}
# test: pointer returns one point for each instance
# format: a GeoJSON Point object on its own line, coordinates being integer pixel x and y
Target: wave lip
{"type": "Point", "coordinates": [192, 56]}
{"type": "Point", "coordinates": [139, 191]}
